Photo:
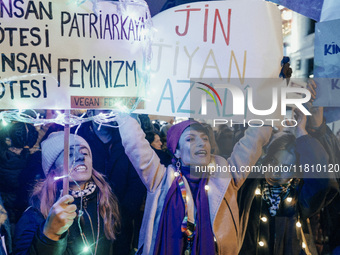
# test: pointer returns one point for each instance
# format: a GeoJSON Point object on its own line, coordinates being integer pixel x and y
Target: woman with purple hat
{"type": "Point", "coordinates": [189, 209]}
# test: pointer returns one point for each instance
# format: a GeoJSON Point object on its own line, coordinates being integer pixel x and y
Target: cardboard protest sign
{"type": "Point", "coordinates": [327, 50]}
{"type": "Point", "coordinates": [326, 67]}
{"type": "Point", "coordinates": [58, 53]}
{"type": "Point", "coordinates": [212, 40]}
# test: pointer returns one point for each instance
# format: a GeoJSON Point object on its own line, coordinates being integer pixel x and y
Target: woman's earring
{"type": "Point", "coordinates": [178, 165]}
{"type": "Point", "coordinates": [178, 168]}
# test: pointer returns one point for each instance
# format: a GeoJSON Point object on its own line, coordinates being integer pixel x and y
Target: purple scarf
{"type": "Point", "coordinates": [170, 239]}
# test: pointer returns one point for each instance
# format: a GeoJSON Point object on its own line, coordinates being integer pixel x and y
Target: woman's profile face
{"type": "Point", "coordinates": [194, 148]}
{"type": "Point", "coordinates": [156, 143]}
{"type": "Point", "coordinates": [80, 164]}
{"type": "Point", "coordinates": [283, 160]}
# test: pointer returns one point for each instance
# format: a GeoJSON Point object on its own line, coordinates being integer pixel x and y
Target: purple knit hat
{"type": "Point", "coordinates": [175, 132]}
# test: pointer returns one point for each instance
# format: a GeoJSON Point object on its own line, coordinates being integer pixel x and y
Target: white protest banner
{"type": "Point", "coordinates": [327, 62]}
{"type": "Point", "coordinates": [55, 54]}
{"type": "Point", "coordinates": [326, 65]}
{"type": "Point", "coordinates": [219, 40]}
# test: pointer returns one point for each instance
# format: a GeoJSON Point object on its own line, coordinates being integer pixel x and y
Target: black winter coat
{"type": "Point", "coordinates": [280, 234]}
{"type": "Point", "coordinates": [110, 159]}
{"type": "Point", "coordinates": [29, 237]}
{"type": "Point", "coordinates": [11, 167]}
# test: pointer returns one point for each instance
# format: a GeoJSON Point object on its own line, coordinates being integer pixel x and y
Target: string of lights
{"type": "Point", "coordinates": [264, 220]}
{"type": "Point", "coordinates": [103, 119]}
{"type": "Point", "coordinates": [87, 246]}
{"type": "Point", "coordinates": [33, 117]}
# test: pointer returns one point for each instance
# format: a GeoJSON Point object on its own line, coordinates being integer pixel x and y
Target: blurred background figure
{"type": "Point", "coordinates": [224, 140]}
{"type": "Point", "coordinates": [146, 123]}
{"type": "Point", "coordinates": [156, 125]}
{"type": "Point", "coordinates": [154, 140]}
{"type": "Point", "coordinates": [165, 127]}
{"type": "Point", "coordinates": [5, 231]}
{"type": "Point", "coordinates": [16, 141]}
{"type": "Point", "coordinates": [156, 144]}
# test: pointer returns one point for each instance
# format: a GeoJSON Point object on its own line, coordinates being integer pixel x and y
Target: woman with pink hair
{"type": "Point", "coordinates": [87, 219]}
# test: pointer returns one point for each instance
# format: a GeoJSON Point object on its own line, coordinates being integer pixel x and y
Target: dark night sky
{"type": "Point", "coordinates": [156, 6]}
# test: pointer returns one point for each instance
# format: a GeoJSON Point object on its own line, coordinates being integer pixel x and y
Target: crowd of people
{"type": "Point", "coordinates": [135, 188]}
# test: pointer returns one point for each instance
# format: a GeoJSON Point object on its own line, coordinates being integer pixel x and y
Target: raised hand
{"type": "Point", "coordinates": [316, 119]}
{"type": "Point", "coordinates": [60, 218]}
{"type": "Point", "coordinates": [286, 70]}
{"type": "Point", "coordinates": [301, 120]}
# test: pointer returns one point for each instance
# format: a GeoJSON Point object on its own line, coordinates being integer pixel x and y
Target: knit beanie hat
{"type": "Point", "coordinates": [54, 145]}
{"type": "Point", "coordinates": [175, 132]}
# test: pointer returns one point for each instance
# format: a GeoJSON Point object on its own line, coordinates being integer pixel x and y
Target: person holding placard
{"type": "Point", "coordinates": [110, 159]}
{"type": "Point", "coordinates": [86, 220]}
{"type": "Point", "coordinates": [281, 204]}
{"type": "Point", "coordinates": [185, 213]}
{"type": "Point", "coordinates": [325, 224]}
